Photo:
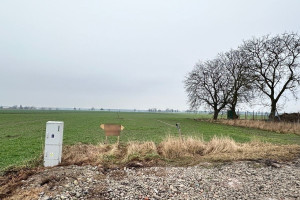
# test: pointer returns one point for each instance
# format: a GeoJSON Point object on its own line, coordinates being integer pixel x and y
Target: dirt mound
{"type": "Point", "coordinates": [62, 182]}
{"type": "Point", "coordinates": [13, 180]}
{"type": "Point", "coordinates": [290, 117]}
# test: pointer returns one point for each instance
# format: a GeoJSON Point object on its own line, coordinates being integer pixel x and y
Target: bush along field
{"type": "Point", "coordinates": [147, 136]}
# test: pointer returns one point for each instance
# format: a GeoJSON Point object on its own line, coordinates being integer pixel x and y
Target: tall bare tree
{"type": "Point", "coordinates": [274, 62]}
{"type": "Point", "coordinates": [235, 62]}
{"type": "Point", "coordinates": [207, 85]}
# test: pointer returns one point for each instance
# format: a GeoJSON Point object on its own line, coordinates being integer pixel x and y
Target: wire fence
{"type": "Point", "coordinates": [263, 116]}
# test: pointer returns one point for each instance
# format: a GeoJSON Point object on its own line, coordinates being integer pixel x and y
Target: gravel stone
{"type": "Point", "coordinates": [236, 180]}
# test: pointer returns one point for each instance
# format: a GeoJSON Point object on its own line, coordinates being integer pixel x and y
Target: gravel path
{"type": "Point", "coordinates": [237, 180]}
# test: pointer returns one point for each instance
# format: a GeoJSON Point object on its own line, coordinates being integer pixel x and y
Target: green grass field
{"type": "Point", "coordinates": [22, 132]}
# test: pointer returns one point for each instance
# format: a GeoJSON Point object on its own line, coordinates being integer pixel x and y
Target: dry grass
{"type": "Point", "coordinates": [81, 154]}
{"type": "Point", "coordinates": [13, 181]}
{"type": "Point", "coordinates": [218, 149]}
{"type": "Point", "coordinates": [20, 194]}
{"type": "Point", "coordinates": [173, 147]}
{"type": "Point", "coordinates": [221, 145]}
{"type": "Point", "coordinates": [225, 149]}
{"type": "Point", "coordinates": [256, 150]}
{"type": "Point", "coordinates": [279, 127]}
{"type": "Point", "coordinates": [140, 149]}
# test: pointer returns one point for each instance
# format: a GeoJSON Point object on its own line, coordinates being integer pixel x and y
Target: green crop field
{"type": "Point", "coordinates": [22, 132]}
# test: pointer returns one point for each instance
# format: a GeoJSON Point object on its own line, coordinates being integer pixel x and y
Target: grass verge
{"type": "Point", "coordinates": [278, 127]}
{"type": "Point", "coordinates": [174, 150]}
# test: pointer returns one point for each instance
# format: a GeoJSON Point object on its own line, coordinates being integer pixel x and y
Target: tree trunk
{"type": "Point", "coordinates": [273, 111]}
{"type": "Point", "coordinates": [235, 116]}
{"type": "Point", "coordinates": [216, 113]}
{"type": "Point", "coordinates": [233, 109]}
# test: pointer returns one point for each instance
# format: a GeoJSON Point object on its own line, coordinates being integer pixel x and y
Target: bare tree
{"type": "Point", "coordinates": [241, 83]}
{"type": "Point", "coordinates": [275, 65]}
{"type": "Point", "coordinates": [207, 85]}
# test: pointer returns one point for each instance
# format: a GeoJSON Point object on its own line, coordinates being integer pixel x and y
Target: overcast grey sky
{"type": "Point", "coordinates": [123, 54]}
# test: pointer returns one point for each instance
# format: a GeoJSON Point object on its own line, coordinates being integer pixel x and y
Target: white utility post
{"type": "Point", "coordinates": [53, 143]}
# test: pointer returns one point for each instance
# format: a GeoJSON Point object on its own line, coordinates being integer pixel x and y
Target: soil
{"type": "Point", "coordinates": [31, 184]}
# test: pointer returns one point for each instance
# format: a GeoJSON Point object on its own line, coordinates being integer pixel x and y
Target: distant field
{"type": "Point", "coordinates": [22, 132]}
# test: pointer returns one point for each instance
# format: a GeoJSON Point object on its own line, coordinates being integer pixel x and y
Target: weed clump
{"type": "Point", "coordinates": [173, 147]}
{"type": "Point", "coordinates": [221, 145]}
{"type": "Point", "coordinates": [140, 150]}
{"type": "Point", "coordinates": [81, 154]}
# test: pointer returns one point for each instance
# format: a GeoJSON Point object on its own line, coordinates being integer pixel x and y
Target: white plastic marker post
{"type": "Point", "coordinates": [53, 143]}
